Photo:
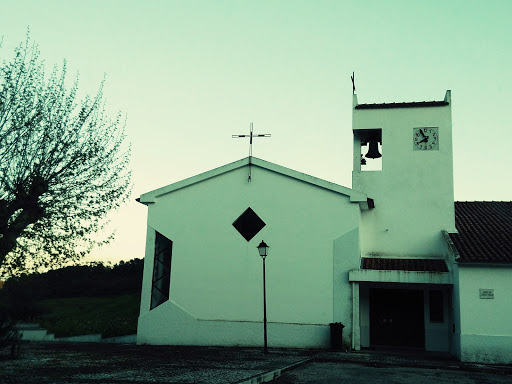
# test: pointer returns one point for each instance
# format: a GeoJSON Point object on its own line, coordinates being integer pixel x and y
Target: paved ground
{"type": "Point", "coordinates": [63, 363]}
{"type": "Point", "coordinates": [124, 363]}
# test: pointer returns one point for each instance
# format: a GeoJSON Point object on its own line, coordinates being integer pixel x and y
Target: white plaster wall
{"type": "Point", "coordinates": [485, 324]}
{"type": "Point", "coordinates": [216, 275]}
{"type": "Point", "coordinates": [145, 297]}
{"type": "Point", "coordinates": [169, 324]}
{"type": "Point", "coordinates": [414, 191]}
{"type": "Point", "coordinates": [346, 257]}
{"type": "Point", "coordinates": [455, 339]}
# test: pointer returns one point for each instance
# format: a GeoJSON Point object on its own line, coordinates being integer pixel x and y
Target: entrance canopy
{"type": "Point", "coordinates": [387, 270]}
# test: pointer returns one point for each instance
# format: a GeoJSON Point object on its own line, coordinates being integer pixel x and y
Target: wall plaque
{"type": "Point", "coordinates": [487, 293]}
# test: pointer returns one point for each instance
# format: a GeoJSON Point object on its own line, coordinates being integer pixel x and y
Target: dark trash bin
{"type": "Point", "coordinates": [336, 336]}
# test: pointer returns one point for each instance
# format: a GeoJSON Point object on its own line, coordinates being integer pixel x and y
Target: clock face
{"type": "Point", "coordinates": [425, 139]}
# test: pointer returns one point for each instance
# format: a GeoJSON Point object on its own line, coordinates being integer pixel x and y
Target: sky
{"type": "Point", "coordinates": [189, 74]}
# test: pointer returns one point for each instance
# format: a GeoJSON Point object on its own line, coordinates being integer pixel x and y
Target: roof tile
{"type": "Point", "coordinates": [485, 231]}
{"type": "Point", "coordinates": [412, 104]}
{"type": "Point", "coordinates": [416, 265]}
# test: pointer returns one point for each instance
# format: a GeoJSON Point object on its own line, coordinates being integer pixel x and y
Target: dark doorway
{"type": "Point", "coordinates": [397, 318]}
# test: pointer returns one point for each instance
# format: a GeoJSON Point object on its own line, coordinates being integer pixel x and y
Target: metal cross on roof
{"type": "Point", "coordinates": [250, 136]}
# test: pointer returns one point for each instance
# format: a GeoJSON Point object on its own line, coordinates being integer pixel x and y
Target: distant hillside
{"type": "Point", "coordinates": [22, 295]}
{"type": "Point", "coordinates": [108, 316]}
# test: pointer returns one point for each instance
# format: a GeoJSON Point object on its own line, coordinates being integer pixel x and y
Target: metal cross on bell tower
{"type": "Point", "coordinates": [250, 136]}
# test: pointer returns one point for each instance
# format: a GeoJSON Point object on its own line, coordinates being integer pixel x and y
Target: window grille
{"type": "Point", "coordinates": [161, 271]}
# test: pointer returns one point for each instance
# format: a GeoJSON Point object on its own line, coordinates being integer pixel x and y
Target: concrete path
{"type": "Point", "coordinates": [393, 366]}
{"type": "Point", "coordinates": [344, 372]}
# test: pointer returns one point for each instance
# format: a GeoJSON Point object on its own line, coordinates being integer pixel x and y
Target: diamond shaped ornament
{"type": "Point", "coordinates": [248, 224]}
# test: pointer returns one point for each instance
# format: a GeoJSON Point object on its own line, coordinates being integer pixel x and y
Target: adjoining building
{"type": "Point", "coordinates": [393, 258]}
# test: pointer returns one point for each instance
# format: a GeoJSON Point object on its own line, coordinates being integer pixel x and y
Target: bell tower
{"type": "Point", "coordinates": [403, 160]}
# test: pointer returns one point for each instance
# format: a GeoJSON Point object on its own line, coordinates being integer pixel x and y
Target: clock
{"type": "Point", "coordinates": [425, 138]}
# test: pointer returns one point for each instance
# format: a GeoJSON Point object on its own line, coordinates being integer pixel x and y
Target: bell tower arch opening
{"type": "Point", "coordinates": [368, 150]}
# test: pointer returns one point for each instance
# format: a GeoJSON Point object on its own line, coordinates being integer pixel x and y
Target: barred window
{"type": "Point", "coordinates": [161, 271]}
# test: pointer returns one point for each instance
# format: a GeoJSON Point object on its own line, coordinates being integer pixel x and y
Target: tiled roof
{"type": "Point", "coordinates": [417, 265]}
{"type": "Point", "coordinates": [485, 231]}
{"type": "Point", "coordinates": [412, 104]}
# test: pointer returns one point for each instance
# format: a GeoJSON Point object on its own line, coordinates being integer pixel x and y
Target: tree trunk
{"type": "Point", "coordinates": [31, 212]}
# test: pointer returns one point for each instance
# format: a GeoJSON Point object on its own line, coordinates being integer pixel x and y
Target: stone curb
{"type": "Point", "coordinates": [274, 374]}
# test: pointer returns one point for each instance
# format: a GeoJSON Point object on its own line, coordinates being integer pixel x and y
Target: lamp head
{"type": "Point", "coordinates": [263, 249]}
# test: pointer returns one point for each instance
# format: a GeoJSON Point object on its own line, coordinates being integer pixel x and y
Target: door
{"type": "Point", "coordinates": [397, 318]}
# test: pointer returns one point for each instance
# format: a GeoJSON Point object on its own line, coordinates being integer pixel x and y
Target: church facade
{"type": "Point", "coordinates": [382, 257]}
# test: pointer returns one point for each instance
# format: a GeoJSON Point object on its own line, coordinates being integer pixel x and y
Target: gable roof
{"type": "Point", "coordinates": [485, 232]}
{"type": "Point", "coordinates": [355, 196]}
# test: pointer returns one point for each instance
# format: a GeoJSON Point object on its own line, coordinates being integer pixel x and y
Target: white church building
{"type": "Point", "coordinates": [393, 258]}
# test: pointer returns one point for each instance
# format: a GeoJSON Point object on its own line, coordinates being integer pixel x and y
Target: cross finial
{"type": "Point", "coordinates": [353, 83]}
{"type": "Point", "coordinates": [250, 136]}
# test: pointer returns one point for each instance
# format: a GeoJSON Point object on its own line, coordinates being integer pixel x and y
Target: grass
{"type": "Point", "coordinates": [110, 316]}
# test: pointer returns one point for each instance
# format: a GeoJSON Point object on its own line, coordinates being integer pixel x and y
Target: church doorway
{"type": "Point", "coordinates": [397, 318]}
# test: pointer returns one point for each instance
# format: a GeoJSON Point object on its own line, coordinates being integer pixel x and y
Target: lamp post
{"type": "Point", "coordinates": [263, 250]}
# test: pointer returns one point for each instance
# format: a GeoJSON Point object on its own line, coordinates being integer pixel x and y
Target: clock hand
{"type": "Point", "coordinates": [422, 134]}
{"type": "Point", "coordinates": [425, 139]}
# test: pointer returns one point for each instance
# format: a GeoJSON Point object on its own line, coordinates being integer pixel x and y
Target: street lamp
{"type": "Point", "coordinates": [263, 250]}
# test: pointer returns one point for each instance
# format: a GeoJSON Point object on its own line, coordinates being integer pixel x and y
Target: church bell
{"type": "Point", "coordinates": [373, 149]}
